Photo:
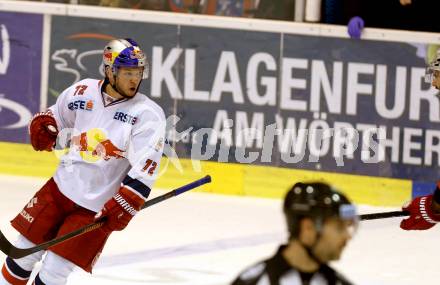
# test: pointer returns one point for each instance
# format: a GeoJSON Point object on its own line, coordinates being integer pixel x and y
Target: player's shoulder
{"type": "Point", "coordinates": [147, 107]}
{"type": "Point", "coordinates": [89, 82]}
{"type": "Point", "coordinates": [85, 85]}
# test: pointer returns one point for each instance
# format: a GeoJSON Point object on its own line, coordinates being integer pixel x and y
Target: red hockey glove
{"type": "Point", "coordinates": [421, 216]}
{"type": "Point", "coordinates": [120, 209]}
{"type": "Point", "coordinates": [43, 131]}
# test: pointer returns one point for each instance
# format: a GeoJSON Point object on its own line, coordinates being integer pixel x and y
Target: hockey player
{"type": "Point", "coordinates": [432, 75]}
{"type": "Point", "coordinates": [425, 210]}
{"type": "Point", "coordinates": [320, 222]}
{"type": "Point", "coordinates": [116, 143]}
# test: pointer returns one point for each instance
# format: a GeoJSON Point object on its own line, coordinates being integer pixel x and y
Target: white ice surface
{"type": "Point", "coordinates": [206, 239]}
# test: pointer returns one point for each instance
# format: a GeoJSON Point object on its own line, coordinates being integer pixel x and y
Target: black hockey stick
{"type": "Point", "coordinates": [383, 215]}
{"type": "Point", "coordinates": [15, 252]}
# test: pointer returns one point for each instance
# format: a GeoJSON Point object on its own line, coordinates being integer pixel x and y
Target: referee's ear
{"type": "Point", "coordinates": [307, 231]}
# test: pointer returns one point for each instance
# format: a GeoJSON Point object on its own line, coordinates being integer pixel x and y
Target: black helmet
{"type": "Point", "coordinates": [317, 201]}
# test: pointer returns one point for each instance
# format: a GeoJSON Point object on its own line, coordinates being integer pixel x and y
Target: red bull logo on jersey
{"type": "Point", "coordinates": [106, 149]}
{"type": "Point", "coordinates": [94, 145]}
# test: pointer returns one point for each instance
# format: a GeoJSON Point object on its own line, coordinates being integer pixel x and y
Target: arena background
{"type": "Point", "coordinates": [258, 73]}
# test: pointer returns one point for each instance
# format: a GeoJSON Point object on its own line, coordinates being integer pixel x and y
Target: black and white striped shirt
{"type": "Point", "coordinates": [276, 271]}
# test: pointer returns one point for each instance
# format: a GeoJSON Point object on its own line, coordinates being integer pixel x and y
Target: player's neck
{"type": "Point", "coordinates": [296, 255]}
{"type": "Point", "coordinates": [112, 92]}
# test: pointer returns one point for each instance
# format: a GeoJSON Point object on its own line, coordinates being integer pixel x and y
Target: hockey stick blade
{"type": "Point", "coordinates": [15, 252]}
{"type": "Point", "coordinates": [382, 215]}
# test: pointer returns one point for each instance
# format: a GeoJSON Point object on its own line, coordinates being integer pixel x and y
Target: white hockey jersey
{"type": "Point", "coordinates": [110, 143]}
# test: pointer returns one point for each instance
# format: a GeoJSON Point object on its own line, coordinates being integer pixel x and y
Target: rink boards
{"type": "Point", "coordinates": [229, 178]}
